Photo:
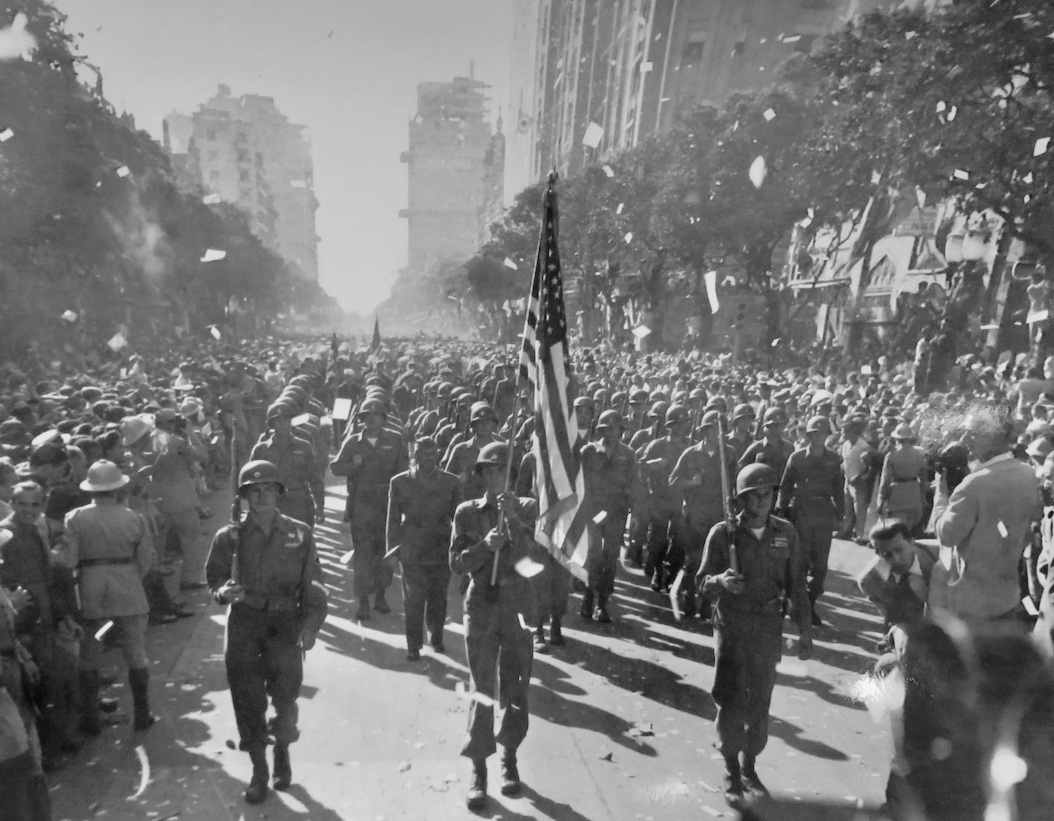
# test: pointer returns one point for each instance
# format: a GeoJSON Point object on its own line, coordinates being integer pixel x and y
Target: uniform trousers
{"type": "Point", "coordinates": [424, 602]}
{"type": "Point", "coordinates": [263, 659]}
{"type": "Point", "coordinates": [664, 537]}
{"type": "Point", "coordinates": [372, 573]}
{"type": "Point", "coordinates": [298, 505]}
{"type": "Point", "coordinates": [814, 535]}
{"type": "Point", "coordinates": [185, 548]}
{"type": "Point", "coordinates": [551, 589]}
{"type": "Point", "coordinates": [131, 639]}
{"type": "Point", "coordinates": [747, 649]}
{"type": "Point", "coordinates": [604, 561]}
{"type": "Point", "coordinates": [639, 524]}
{"type": "Point", "coordinates": [857, 501]}
{"type": "Point", "coordinates": [500, 652]}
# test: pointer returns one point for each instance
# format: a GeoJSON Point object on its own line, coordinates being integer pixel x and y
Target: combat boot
{"type": "Point", "coordinates": [380, 605]}
{"type": "Point", "coordinates": [283, 770]}
{"type": "Point", "coordinates": [90, 723]}
{"type": "Point", "coordinates": [510, 774]}
{"type": "Point", "coordinates": [751, 783]}
{"type": "Point", "coordinates": [556, 637]}
{"type": "Point", "coordinates": [816, 620]}
{"type": "Point", "coordinates": [364, 609]}
{"type": "Point", "coordinates": [256, 792]}
{"type": "Point", "coordinates": [539, 641]}
{"type": "Point", "coordinates": [139, 682]}
{"type": "Point", "coordinates": [733, 782]}
{"type": "Point", "coordinates": [477, 792]}
{"type": "Point", "coordinates": [601, 612]}
{"type": "Point", "coordinates": [586, 611]}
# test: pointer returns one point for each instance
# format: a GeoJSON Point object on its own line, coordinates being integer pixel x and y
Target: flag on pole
{"type": "Point", "coordinates": [562, 525]}
{"type": "Point", "coordinates": [376, 344]}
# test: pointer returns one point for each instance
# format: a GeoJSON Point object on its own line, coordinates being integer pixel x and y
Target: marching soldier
{"type": "Point", "coordinates": [751, 592]}
{"type": "Point", "coordinates": [496, 604]}
{"type": "Point", "coordinates": [369, 459]}
{"type": "Point", "coordinates": [462, 456]}
{"type": "Point", "coordinates": [665, 503]}
{"type": "Point", "coordinates": [421, 507]}
{"type": "Point", "coordinates": [267, 571]}
{"type": "Point", "coordinates": [772, 450]}
{"type": "Point", "coordinates": [613, 485]}
{"type": "Point", "coordinates": [295, 459]}
{"type": "Point", "coordinates": [812, 492]}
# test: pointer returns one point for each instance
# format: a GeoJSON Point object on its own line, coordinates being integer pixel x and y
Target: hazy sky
{"type": "Point", "coordinates": [348, 69]}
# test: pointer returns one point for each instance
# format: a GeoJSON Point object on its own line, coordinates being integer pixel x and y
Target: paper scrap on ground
{"type": "Point", "coordinates": [144, 771]}
{"type": "Point", "coordinates": [758, 171]}
{"type": "Point", "coordinates": [629, 237]}
{"type": "Point", "coordinates": [594, 134]}
{"type": "Point", "coordinates": [510, 264]}
{"type": "Point", "coordinates": [770, 114]}
{"type": "Point", "coordinates": [100, 634]}
{"type": "Point", "coordinates": [6, 135]}
{"type": "Point", "coordinates": [1042, 144]}
{"type": "Point", "coordinates": [123, 171]}
{"type": "Point", "coordinates": [212, 255]}
{"type": "Point", "coordinates": [117, 342]}
{"type": "Point", "coordinates": [69, 316]}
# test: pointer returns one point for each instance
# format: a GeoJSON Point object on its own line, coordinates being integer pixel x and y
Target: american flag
{"type": "Point", "coordinates": [544, 363]}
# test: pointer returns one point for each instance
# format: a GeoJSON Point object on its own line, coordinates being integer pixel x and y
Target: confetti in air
{"type": "Point", "coordinates": [212, 255]}
{"type": "Point", "coordinates": [758, 171]}
{"type": "Point", "coordinates": [15, 41]}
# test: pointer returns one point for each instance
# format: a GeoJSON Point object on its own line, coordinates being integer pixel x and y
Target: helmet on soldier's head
{"type": "Point", "coordinates": [743, 411]}
{"type": "Point", "coordinates": [482, 410]}
{"type": "Point", "coordinates": [818, 424]}
{"type": "Point", "coordinates": [372, 406]}
{"type": "Point", "coordinates": [494, 454]}
{"type": "Point", "coordinates": [710, 419]}
{"type": "Point", "coordinates": [658, 410]}
{"type": "Point", "coordinates": [675, 414]}
{"type": "Point", "coordinates": [282, 407]}
{"type": "Point", "coordinates": [638, 397]}
{"type": "Point", "coordinates": [610, 419]}
{"type": "Point", "coordinates": [716, 403]}
{"type": "Point", "coordinates": [755, 477]}
{"type": "Point", "coordinates": [775, 416]}
{"type": "Point", "coordinates": [259, 472]}
{"type": "Point", "coordinates": [585, 402]}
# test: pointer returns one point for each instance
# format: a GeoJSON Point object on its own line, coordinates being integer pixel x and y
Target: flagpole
{"type": "Point", "coordinates": [519, 374]}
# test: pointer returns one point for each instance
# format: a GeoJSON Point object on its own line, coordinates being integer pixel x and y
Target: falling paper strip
{"type": "Point", "coordinates": [69, 316]}
{"type": "Point", "coordinates": [212, 199]}
{"type": "Point", "coordinates": [510, 264]}
{"type": "Point", "coordinates": [144, 772]}
{"type": "Point", "coordinates": [602, 515]}
{"type": "Point", "coordinates": [770, 114]}
{"type": "Point", "coordinates": [100, 634]}
{"type": "Point", "coordinates": [212, 255]}
{"type": "Point", "coordinates": [910, 35]}
{"type": "Point", "coordinates": [1002, 529]}
{"type": "Point", "coordinates": [775, 342]}
{"type": "Point", "coordinates": [609, 170]}
{"type": "Point", "coordinates": [347, 557]}
{"type": "Point", "coordinates": [15, 41]}
{"type": "Point", "coordinates": [951, 114]}
{"type": "Point", "coordinates": [117, 342]}
{"type": "Point", "coordinates": [960, 174]}
{"type": "Point", "coordinates": [528, 568]}
{"type": "Point", "coordinates": [621, 205]}
{"type": "Point", "coordinates": [710, 278]}
{"type": "Point", "coordinates": [793, 39]}
{"type": "Point", "coordinates": [1042, 144]}
{"type": "Point", "coordinates": [641, 331]}
{"type": "Point", "coordinates": [123, 171]}
{"type": "Point", "coordinates": [594, 134]}
{"type": "Point", "coordinates": [215, 332]}
{"type": "Point", "coordinates": [6, 135]}
{"type": "Point", "coordinates": [629, 237]}
{"type": "Point", "coordinates": [1027, 179]}
{"type": "Point", "coordinates": [758, 171]}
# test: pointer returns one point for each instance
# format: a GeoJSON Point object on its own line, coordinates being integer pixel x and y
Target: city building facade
{"type": "Point", "coordinates": [245, 150]}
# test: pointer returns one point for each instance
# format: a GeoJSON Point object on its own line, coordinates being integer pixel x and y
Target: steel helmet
{"type": "Point", "coordinates": [638, 396]}
{"type": "Point", "coordinates": [610, 419]}
{"type": "Point", "coordinates": [259, 472]}
{"type": "Point", "coordinates": [710, 419]}
{"type": "Point", "coordinates": [482, 410]}
{"type": "Point", "coordinates": [775, 416]}
{"type": "Point", "coordinates": [743, 411]}
{"type": "Point", "coordinates": [659, 395]}
{"type": "Point", "coordinates": [716, 403]}
{"type": "Point", "coordinates": [585, 402]}
{"type": "Point", "coordinates": [282, 407]}
{"type": "Point", "coordinates": [818, 424]}
{"type": "Point", "coordinates": [619, 398]}
{"type": "Point", "coordinates": [658, 410]}
{"type": "Point", "coordinates": [755, 477]}
{"type": "Point", "coordinates": [372, 406]}
{"type": "Point", "coordinates": [496, 453]}
{"type": "Point", "coordinates": [675, 414]}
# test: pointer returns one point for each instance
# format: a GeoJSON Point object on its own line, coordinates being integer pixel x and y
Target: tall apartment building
{"type": "Point", "coordinates": [247, 151]}
{"type": "Point", "coordinates": [455, 171]}
{"type": "Point", "coordinates": [625, 69]}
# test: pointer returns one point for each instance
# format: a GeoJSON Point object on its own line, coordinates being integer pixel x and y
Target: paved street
{"type": "Point", "coordinates": [621, 719]}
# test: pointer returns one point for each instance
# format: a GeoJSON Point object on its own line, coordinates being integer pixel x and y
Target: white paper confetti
{"type": "Point", "coordinates": [941, 106]}
{"type": "Point", "coordinates": [1042, 144]}
{"type": "Point", "coordinates": [600, 517]}
{"type": "Point", "coordinates": [910, 35]}
{"type": "Point", "coordinates": [759, 170]}
{"type": "Point", "coordinates": [212, 199]}
{"type": "Point", "coordinates": [69, 316]}
{"type": "Point", "coordinates": [117, 342]}
{"type": "Point", "coordinates": [100, 634]}
{"type": "Point", "coordinates": [123, 171]}
{"type": "Point", "coordinates": [1002, 529]}
{"type": "Point", "coordinates": [215, 332]}
{"type": "Point", "coordinates": [144, 772]}
{"type": "Point", "coordinates": [629, 237]}
{"type": "Point", "coordinates": [508, 263]}
{"type": "Point", "coordinates": [609, 171]}
{"type": "Point", "coordinates": [961, 175]}
{"type": "Point", "coordinates": [15, 41]}
{"type": "Point", "coordinates": [769, 114]}
{"type": "Point", "coordinates": [528, 568]}
{"type": "Point", "coordinates": [593, 135]}
{"type": "Point", "coordinates": [621, 205]}
{"type": "Point", "coordinates": [6, 135]}
{"type": "Point", "coordinates": [952, 112]}
{"type": "Point", "coordinates": [212, 255]}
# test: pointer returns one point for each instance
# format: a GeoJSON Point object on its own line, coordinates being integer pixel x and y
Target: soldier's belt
{"type": "Point", "coordinates": [755, 608]}
{"type": "Point", "coordinates": [100, 562]}
{"type": "Point", "coordinates": [280, 602]}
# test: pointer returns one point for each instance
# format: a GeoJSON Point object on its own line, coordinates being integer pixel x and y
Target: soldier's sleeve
{"type": "Point", "coordinates": [402, 462]}
{"type": "Point", "coordinates": [218, 564]}
{"type": "Point", "coordinates": [393, 534]}
{"type": "Point", "coordinates": [636, 486]}
{"type": "Point", "coordinates": [798, 595]}
{"type": "Point", "coordinates": [682, 471]}
{"type": "Point", "coordinates": [790, 474]}
{"type": "Point", "coordinates": [314, 601]}
{"type": "Point", "coordinates": [341, 466]}
{"type": "Point", "coordinates": [872, 584]}
{"type": "Point", "coordinates": [715, 561]}
{"type": "Point", "coordinates": [466, 554]}
{"type": "Point", "coordinates": [259, 451]}
{"type": "Point", "coordinates": [144, 548]}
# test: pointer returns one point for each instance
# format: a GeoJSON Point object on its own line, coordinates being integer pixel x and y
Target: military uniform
{"type": "Point", "coordinates": [420, 510]}
{"type": "Point", "coordinates": [295, 459]}
{"type": "Point", "coordinates": [748, 631]}
{"type": "Point", "coordinates": [369, 469]}
{"type": "Point", "coordinates": [461, 459]}
{"type": "Point", "coordinates": [665, 520]}
{"type": "Point", "coordinates": [764, 452]}
{"type": "Point", "coordinates": [703, 508]}
{"type": "Point", "coordinates": [497, 642]}
{"type": "Point", "coordinates": [613, 488]}
{"type": "Point", "coordinates": [812, 490]}
{"type": "Point", "coordinates": [284, 596]}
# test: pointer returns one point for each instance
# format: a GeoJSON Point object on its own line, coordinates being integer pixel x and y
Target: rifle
{"type": "Point", "coordinates": [726, 495]}
{"type": "Point", "coordinates": [236, 506]}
